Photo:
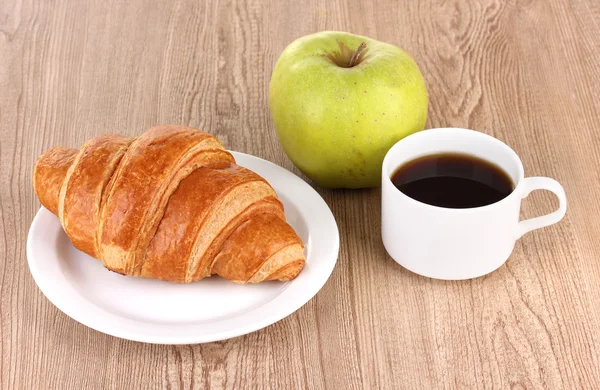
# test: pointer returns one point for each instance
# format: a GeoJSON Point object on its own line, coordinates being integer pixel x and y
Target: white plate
{"type": "Point", "coordinates": [169, 313]}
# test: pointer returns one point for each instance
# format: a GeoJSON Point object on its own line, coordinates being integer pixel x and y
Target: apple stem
{"type": "Point", "coordinates": [356, 54]}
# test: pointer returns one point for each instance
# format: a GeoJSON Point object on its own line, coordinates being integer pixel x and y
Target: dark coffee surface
{"type": "Point", "coordinates": [453, 180]}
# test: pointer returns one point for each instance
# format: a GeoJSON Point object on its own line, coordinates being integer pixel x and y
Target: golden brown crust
{"type": "Point", "coordinates": [252, 246]}
{"type": "Point", "coordinates": [49, 173]}
{"type": "Point", "coordinates": [204, 268]}
{"type": "Point", "coordinates": [288, 272]}
{"type": "Point", "coordinates": [170, 205]}
{"type": "Point", "coordinates": [195, 216]}
{"type": "Point", "coordinates": [148, 174]}
{"type": "Point", "coordinates": [83, 186]}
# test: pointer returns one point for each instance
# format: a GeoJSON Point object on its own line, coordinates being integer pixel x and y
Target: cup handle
{"type": "Point", "coordinates": [543, 183]}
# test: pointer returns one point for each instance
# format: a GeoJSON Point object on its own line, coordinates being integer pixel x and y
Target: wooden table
{"type": "Point", "coordinates": [527, 72]}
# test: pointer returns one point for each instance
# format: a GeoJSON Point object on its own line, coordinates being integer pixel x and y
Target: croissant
{"type": "Point", "coordinates": [172, 205]}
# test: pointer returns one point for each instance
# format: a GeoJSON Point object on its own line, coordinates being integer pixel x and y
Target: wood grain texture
{"type": "Point", "coordinates": [525, 71]}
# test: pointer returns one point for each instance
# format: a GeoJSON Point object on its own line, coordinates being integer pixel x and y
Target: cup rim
{"type": "Point", "coordinates": [467, 132]}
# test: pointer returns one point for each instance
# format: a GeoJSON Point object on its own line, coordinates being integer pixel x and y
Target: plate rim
{"type": "Point", "coordinates": [320, 279]}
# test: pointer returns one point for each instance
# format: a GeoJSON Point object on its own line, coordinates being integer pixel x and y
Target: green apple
{"type": "Point", "coordinates": [339, 101]}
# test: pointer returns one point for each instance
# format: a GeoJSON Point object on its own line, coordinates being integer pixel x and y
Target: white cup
{"type": "Point", "coordinates": [454, 244]}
